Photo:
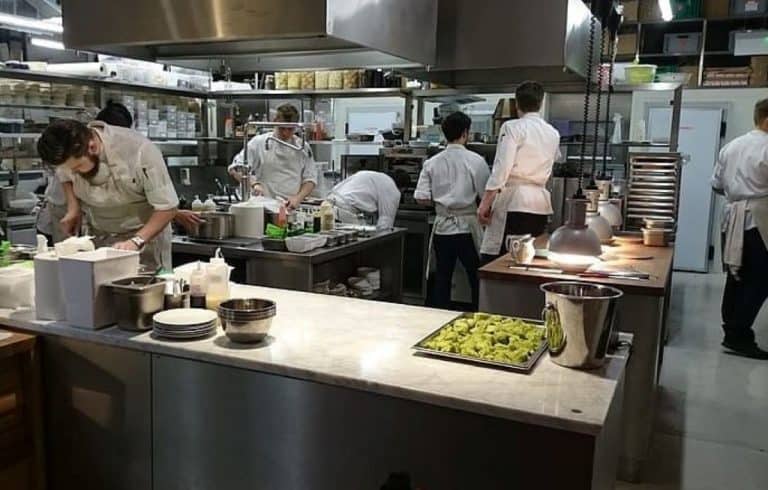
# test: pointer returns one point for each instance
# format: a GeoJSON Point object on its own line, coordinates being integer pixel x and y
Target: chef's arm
{"type": "Point", "coordinates": [73, 205]}
{"type": "Point", "coordinates": [305, 190]}
{"type": "Point", "coordinates": [156, 223]}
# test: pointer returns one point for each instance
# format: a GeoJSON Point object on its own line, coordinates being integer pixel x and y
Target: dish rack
{"type": "Point", "coordinates": [654, 188]}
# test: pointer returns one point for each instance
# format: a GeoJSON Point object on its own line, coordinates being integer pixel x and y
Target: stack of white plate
{"type": "Point", "coordinates": [184, 323]}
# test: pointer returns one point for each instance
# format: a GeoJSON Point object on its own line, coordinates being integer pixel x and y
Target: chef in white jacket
{"type": "Point", "coordinates": [120, 179]}
{"type": "Point", "coordinates": [454, 180]}
{"type": "Point", "coordinates": [279, 170]}
{"type": "Point", "coordinates": [741, 175]}
{"type": "Point", "coordinates": [368, 193]}
{"type": "Point", "coordinates": [516, 201]}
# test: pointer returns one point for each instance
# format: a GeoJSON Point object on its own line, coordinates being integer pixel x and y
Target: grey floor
{"type": "Point", "coordinates": [712, 418]}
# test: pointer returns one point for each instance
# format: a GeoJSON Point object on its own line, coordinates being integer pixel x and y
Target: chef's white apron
{"type": "Point", "coordinates": [466, 216]}
{"type": "Point", "coordinates": [114, 213]}
{"type": "Point", "coordinates": [281, 171]}
{"type": "Point", "coordinates": [733, 228]}
{"type": "Point", "coordinates": [494, 233]}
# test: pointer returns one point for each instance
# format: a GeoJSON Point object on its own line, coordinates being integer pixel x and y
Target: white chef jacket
{"type": "Point", "coordinates": [741, 171]}
{"type": "Point", "coordinates": [369, 192]}
{"type": "Point", "coordinates": [526, 151]}
{"type": "Point", "coordinates": [132, 182]}
{"type": "Point", "coordinates": [453, 179]}
{"type": "Point", "coordinates": [280, 170]}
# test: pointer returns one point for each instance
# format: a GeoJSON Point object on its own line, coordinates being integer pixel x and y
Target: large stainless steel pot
{"type": "Point", "coordinates": [216, 226]}
{"type": "Point", "coordinates": [579, 318]}
{"type": "Point", "coordinates": [136, 300]}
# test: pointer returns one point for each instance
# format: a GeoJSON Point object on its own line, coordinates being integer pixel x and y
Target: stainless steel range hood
{"type": "Point", "coordinates": [495, 44]}
{"type": "Point", "coordinates": [258, 34]}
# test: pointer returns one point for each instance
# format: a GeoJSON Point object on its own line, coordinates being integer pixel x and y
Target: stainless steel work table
{"type": "Point", "coordinates": [641, 312]}
{"type": "Point", "coordinates": [336, 399]}
{"type": "Point", "coordinates": [300, 271]}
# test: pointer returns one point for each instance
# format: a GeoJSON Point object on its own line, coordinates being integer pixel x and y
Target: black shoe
{"type": "Point", "coordinates": [746, 349]}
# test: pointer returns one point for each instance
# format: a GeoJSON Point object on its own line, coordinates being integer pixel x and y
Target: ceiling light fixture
{"type": "Point", "coordinates": [47, 43]}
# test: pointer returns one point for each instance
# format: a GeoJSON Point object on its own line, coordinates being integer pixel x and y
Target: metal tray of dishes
{"type": "Point", "coordinates": [525, 367]}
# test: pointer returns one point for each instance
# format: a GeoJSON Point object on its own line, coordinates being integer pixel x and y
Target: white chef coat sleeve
{"type": "Point", "coordinates": [389, 202]}
{"type": "Point", "coordinates": [506, 153]}
{"type": "Point", "coordinates": [717, 175]}
{"type": "Point", "coordinates": [155, 180]}
{"type": "Point", "coordinates": [64, 174]}
{"type": "Point", "coordinates": [308, 168]}
{"type": "Point", "coordinates": [480, 175]}
{"type": "Point", "coordinates": [424, 185]}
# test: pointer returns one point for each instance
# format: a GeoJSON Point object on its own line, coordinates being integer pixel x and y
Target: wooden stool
{"type": "Point", "coordinates": [21, 424]}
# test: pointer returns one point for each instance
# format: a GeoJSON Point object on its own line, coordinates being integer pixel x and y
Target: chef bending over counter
{"type": "Point", "coordinates": [122, 182]}
{"type": "Point", "coordinates": [280, 169]}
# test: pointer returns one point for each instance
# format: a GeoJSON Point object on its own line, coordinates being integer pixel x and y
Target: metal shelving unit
{"type": "Point", "coordinates": [47, 107]}
{"type": "Point", "coordinates": [280, 94]}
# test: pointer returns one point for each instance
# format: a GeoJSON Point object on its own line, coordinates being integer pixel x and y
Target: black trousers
{"type": "Point", "coordinates": [448, 249]}
{"type": "Point", "coordinates": [743, 298]}
{"type": "Point", "coordinates": [519, 224]}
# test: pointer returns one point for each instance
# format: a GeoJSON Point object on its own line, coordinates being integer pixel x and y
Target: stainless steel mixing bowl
{"type": "Point", "coordinates": [247, 320]}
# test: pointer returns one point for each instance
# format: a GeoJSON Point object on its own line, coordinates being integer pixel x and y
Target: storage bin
{"type": "Point", "coordinates": [716, 9]}
{"type": "Point", "coordinates": [89, 303]}
{"type": "Point", "coordinates": [17, 287]}
{"type": "Point", "coordinates": [49, 297]}
{"type": "Point", "coordinates": [749, 7]}
{"type": "Point", "coordinates": [637, 74]}
{"type": "Point", "coordinates": [682, 43]}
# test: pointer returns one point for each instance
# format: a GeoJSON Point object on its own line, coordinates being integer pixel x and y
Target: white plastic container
{"type": "Point", "coordinates": [89, 302]}
{"type": "Point", "coordinates": [217, 273]}
{"type": "Point", "coordinates": [49, 296]}
{"type": "Point", "coordinates": [17, 287]}
{"type": "Point", "coordinates": [249, 219]}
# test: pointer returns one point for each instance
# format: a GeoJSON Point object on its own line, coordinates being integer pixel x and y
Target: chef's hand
{"type": "Point", "coordinates": [294, 202]}
{"type": "Point", "coordinates": [70, 223]}
{"type": "Point", "coordinates": [190, 220]}
{"type": "Point", "coordinates": [484, 214]}
{"type": "Point", "coordinates": [126, 245]}
{"type": "Point", "coordinates": [257, 189]}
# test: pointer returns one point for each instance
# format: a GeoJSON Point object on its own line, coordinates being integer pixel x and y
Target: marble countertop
{"type": "Point", "coordinates": [366, 345]}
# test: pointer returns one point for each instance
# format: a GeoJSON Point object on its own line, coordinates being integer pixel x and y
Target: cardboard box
{"type": "Point", "coordinates": [694, 71]}
{"type": "Point", "coordinates": [631, 10]}
{"type": "Point", "coordinates": [759, 76]}
{"type": "Point", "coordinates": [716, 9]}
{"type": "Point", "coordinates": [649, 10]}
{"type": "Point", "coordinates": [627, 44]}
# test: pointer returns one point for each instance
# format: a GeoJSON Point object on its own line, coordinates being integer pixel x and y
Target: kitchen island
{"type": "Point", "coordinates": [641, 311]}
{"type": "Point", "coordinates": [334, 399]}
{"type": "Point", "coordinates": [300, 271]}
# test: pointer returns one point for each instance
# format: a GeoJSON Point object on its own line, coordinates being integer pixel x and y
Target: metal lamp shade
{"type": "Point", "coordinates": [601, 226]}
{"type": "Point", "coordinates": [611, 212]}
{"type": "Point", "coordinates": [575, 241]}
{"type": "Point", "coordinates": [575, 238]}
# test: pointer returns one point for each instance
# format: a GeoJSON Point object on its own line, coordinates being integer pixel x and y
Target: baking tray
{"type": "Point", "coordinates": [525, 368]}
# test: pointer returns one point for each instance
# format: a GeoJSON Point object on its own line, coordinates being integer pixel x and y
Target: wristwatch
{"type": "Point", "coordinates": [139, 242]}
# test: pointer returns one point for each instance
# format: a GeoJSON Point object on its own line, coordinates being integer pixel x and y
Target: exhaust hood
{"type": "Point", "coordinates": [258, 35]}
{"type": "Point", "coordinates": [496, 44]}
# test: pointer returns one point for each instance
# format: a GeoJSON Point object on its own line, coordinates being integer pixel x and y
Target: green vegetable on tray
{"type": "Point", "coordinates": [489, 337]}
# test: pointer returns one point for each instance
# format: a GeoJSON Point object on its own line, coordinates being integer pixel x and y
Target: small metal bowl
{"type": "Point", "coordinates": [247, 320]}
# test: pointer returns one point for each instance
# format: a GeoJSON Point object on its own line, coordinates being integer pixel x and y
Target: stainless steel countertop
{"type": "Point", "coordinates": [239, 248]}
